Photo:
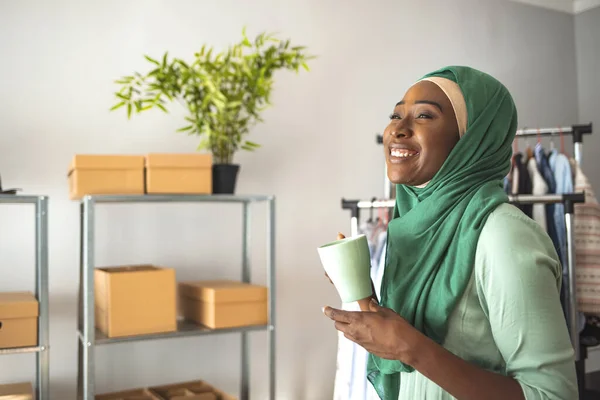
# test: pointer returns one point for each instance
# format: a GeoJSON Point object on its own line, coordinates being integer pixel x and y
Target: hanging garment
{"type": "Point", "coordinates": [524, 184]}
{"type": "Point", "coordinates": [587, 246]}
{"type": "Point", "coordinates": [561, 168]}
{"type": "Point", "coordinates": [546, 171]}
{"type": "Point", "coordinates": [351, 365]}
{"type": "Point", "coordinates": [539, 188]}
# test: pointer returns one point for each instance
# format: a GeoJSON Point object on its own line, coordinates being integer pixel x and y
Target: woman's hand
{"type": "Point", "coordinates": [386, 334]}
{"type": "Point", "coordinates": [381, 331]}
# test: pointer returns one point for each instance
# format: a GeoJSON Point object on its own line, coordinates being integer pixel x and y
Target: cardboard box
{"type": "Point", "coordinates": [193, 390]}
{"type": "Point", "coordinates": [91, 174]}
{"type": "Point", "coordinates": [179, 173]}
{"type": "Point", "coordinates": [134, 394]}
{"type": "Point", "coordinates": [135, 300]}
{"type": "Point", "coordinates": [18, 320]}
{"type": "Point", "coordinates": [17, 391]}
{"type": "Point", "coordinates": [223, 303]}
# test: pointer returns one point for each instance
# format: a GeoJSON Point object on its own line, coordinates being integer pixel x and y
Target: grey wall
{"type": "Point", "coordinates": [587, 40]}
{"type": "Point", "coordinates": [59, 59]}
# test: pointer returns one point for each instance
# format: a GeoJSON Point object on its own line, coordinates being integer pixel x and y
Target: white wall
{"type": "Point", "coordinates": [58, 61]}
{"type": "Point", "coordinates": [587, 36]}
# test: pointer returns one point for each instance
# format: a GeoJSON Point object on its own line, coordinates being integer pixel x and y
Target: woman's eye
{"type": "Point", "coordinates": [424, 116]}
{"type": "Point", "coordinates": [395, 116]}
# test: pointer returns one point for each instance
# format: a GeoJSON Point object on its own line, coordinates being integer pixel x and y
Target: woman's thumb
{"type": "Point", "coordinates": [340, 236]}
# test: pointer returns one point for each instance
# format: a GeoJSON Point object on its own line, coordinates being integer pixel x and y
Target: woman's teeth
{"type": "Point", "coordinates": [403, 153]}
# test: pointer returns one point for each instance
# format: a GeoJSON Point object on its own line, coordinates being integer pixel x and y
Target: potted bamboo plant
{"type": "Point", "coordinates": [224, 94]}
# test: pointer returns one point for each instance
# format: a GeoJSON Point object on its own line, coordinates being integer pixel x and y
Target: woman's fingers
{"type": "Point", "coordinates": [340, 315]}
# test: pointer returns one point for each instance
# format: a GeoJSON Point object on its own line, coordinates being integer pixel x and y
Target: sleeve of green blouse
{"type": "Point", "coordinates": [518, 279]}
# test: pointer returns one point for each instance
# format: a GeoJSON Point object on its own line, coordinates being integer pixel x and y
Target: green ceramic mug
{"type": "Point", "coordinates": [348, 263]}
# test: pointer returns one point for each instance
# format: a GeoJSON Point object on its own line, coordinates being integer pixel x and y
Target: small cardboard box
{"type": "Point", "coordinates": [223, 303]}
{"type": "Point", "coordinates": [17, 391]}
{"type": "Point", "coordinates": [18, 320]}
{"type": "Point", "coordinates": [193, 390]}
{"type": "Point", "coordinates": [92, 174]}
{"type": "Point", "coordinates": [135, 300]}
{"type": "Point", "coordinates": [179, 173]}
{"type": "Point", "coordinates": [133, 394]}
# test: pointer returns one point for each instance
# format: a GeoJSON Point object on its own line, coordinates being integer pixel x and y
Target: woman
{"type": "Point", "coordinates": [469, 303]}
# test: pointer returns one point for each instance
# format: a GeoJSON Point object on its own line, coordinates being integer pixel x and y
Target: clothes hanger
{"type": "Point", "coordinates": [562, 142]}
{"type": "Point", "coordinates": [529, 150]}
{"type": "Point", "coordinates": [370, 220]}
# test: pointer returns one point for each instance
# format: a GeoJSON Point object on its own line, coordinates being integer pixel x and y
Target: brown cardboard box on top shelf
{"type": "Point", "coordinates": [179, 173]}
{"type": "Point", "coordinates": [223, 303]}
{"type": "Point", "coordinates": [18, 320]}
{"type": "Point", "coordinates": [135, 300]}
{"type": "Point", "coordinates": [133, 394]}
{"type": "Point", "coordinates": [192, 390]}
{"type": "Point", "coordinates": [17, 391]}
{"type": "Point", "coordinates": [96, 174]}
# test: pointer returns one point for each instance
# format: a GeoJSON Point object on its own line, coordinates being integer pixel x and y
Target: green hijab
{"type": "Point", "coordinates": [433, 235]}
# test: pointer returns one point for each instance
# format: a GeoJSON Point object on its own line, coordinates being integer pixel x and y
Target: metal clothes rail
{"type": "Point", "coordinates": [89, 337]}
{"type": "Point", "coordinates": [42, 350]}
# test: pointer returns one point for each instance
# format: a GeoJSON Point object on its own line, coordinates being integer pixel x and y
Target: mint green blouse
{"type": "Point", "coordinates": [509, 319]}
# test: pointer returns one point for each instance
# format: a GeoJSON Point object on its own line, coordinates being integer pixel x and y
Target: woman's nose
{"type": "Point", "coordinates": [400, 131]}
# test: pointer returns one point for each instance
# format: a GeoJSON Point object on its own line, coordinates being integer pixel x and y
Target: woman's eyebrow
{"type": "Point", "coordinates": [433, 103]}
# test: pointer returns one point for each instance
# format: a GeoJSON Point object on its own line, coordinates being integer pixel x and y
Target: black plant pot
{"type": "Point", "coordinates": [224, 178]}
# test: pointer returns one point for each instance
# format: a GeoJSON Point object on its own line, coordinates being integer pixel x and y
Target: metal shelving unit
{"type": "Point", "coordinates": [89, 337]}
{"type": "Point", "coordinates": [42, 356]}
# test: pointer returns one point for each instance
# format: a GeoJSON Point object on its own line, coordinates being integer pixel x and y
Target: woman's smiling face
{"type": "Point", "coordinates": [421, 134]}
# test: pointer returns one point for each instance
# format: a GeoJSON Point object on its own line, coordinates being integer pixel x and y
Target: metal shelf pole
{"type": "Point", "coordinates": [86, 300]}
{"type": "Point", "coordinates": [245, 356]}
{"type": "Point", "coordinates": [271, 282]}
{"type": "Point", "coordinates": [41, 293]}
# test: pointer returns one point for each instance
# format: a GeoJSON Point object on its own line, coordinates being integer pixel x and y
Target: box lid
{"type": "Point", "coordinates": [106, 161]}
{"type": "Point", "coordinates": [123, 269]}
{"type": "Point", "coordinates": [222, 291]}
{"type": "Point", "coordinates": [178, 160]}
{"type": "Point", "coordinates": [16, 391]}
{"type": "Point", "coordinates": [18, 305]}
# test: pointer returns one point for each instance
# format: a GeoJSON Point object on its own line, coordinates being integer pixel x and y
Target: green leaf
{"type": "Point", "coordinates": [124, 80]}
{"type": "Point", "coordinates": [185, 128]}
{"type": "Point", "coordinates": [128, 110]}
{"type": "Point", "coordinates": [153, 61]}
{"type": "Point", "coordinates": [161, 107]}
{"type": "Point", "coordinates": [118, 105]}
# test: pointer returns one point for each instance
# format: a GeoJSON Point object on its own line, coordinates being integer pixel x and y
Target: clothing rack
{"type": "Point", "coordinates": [568, 200]}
